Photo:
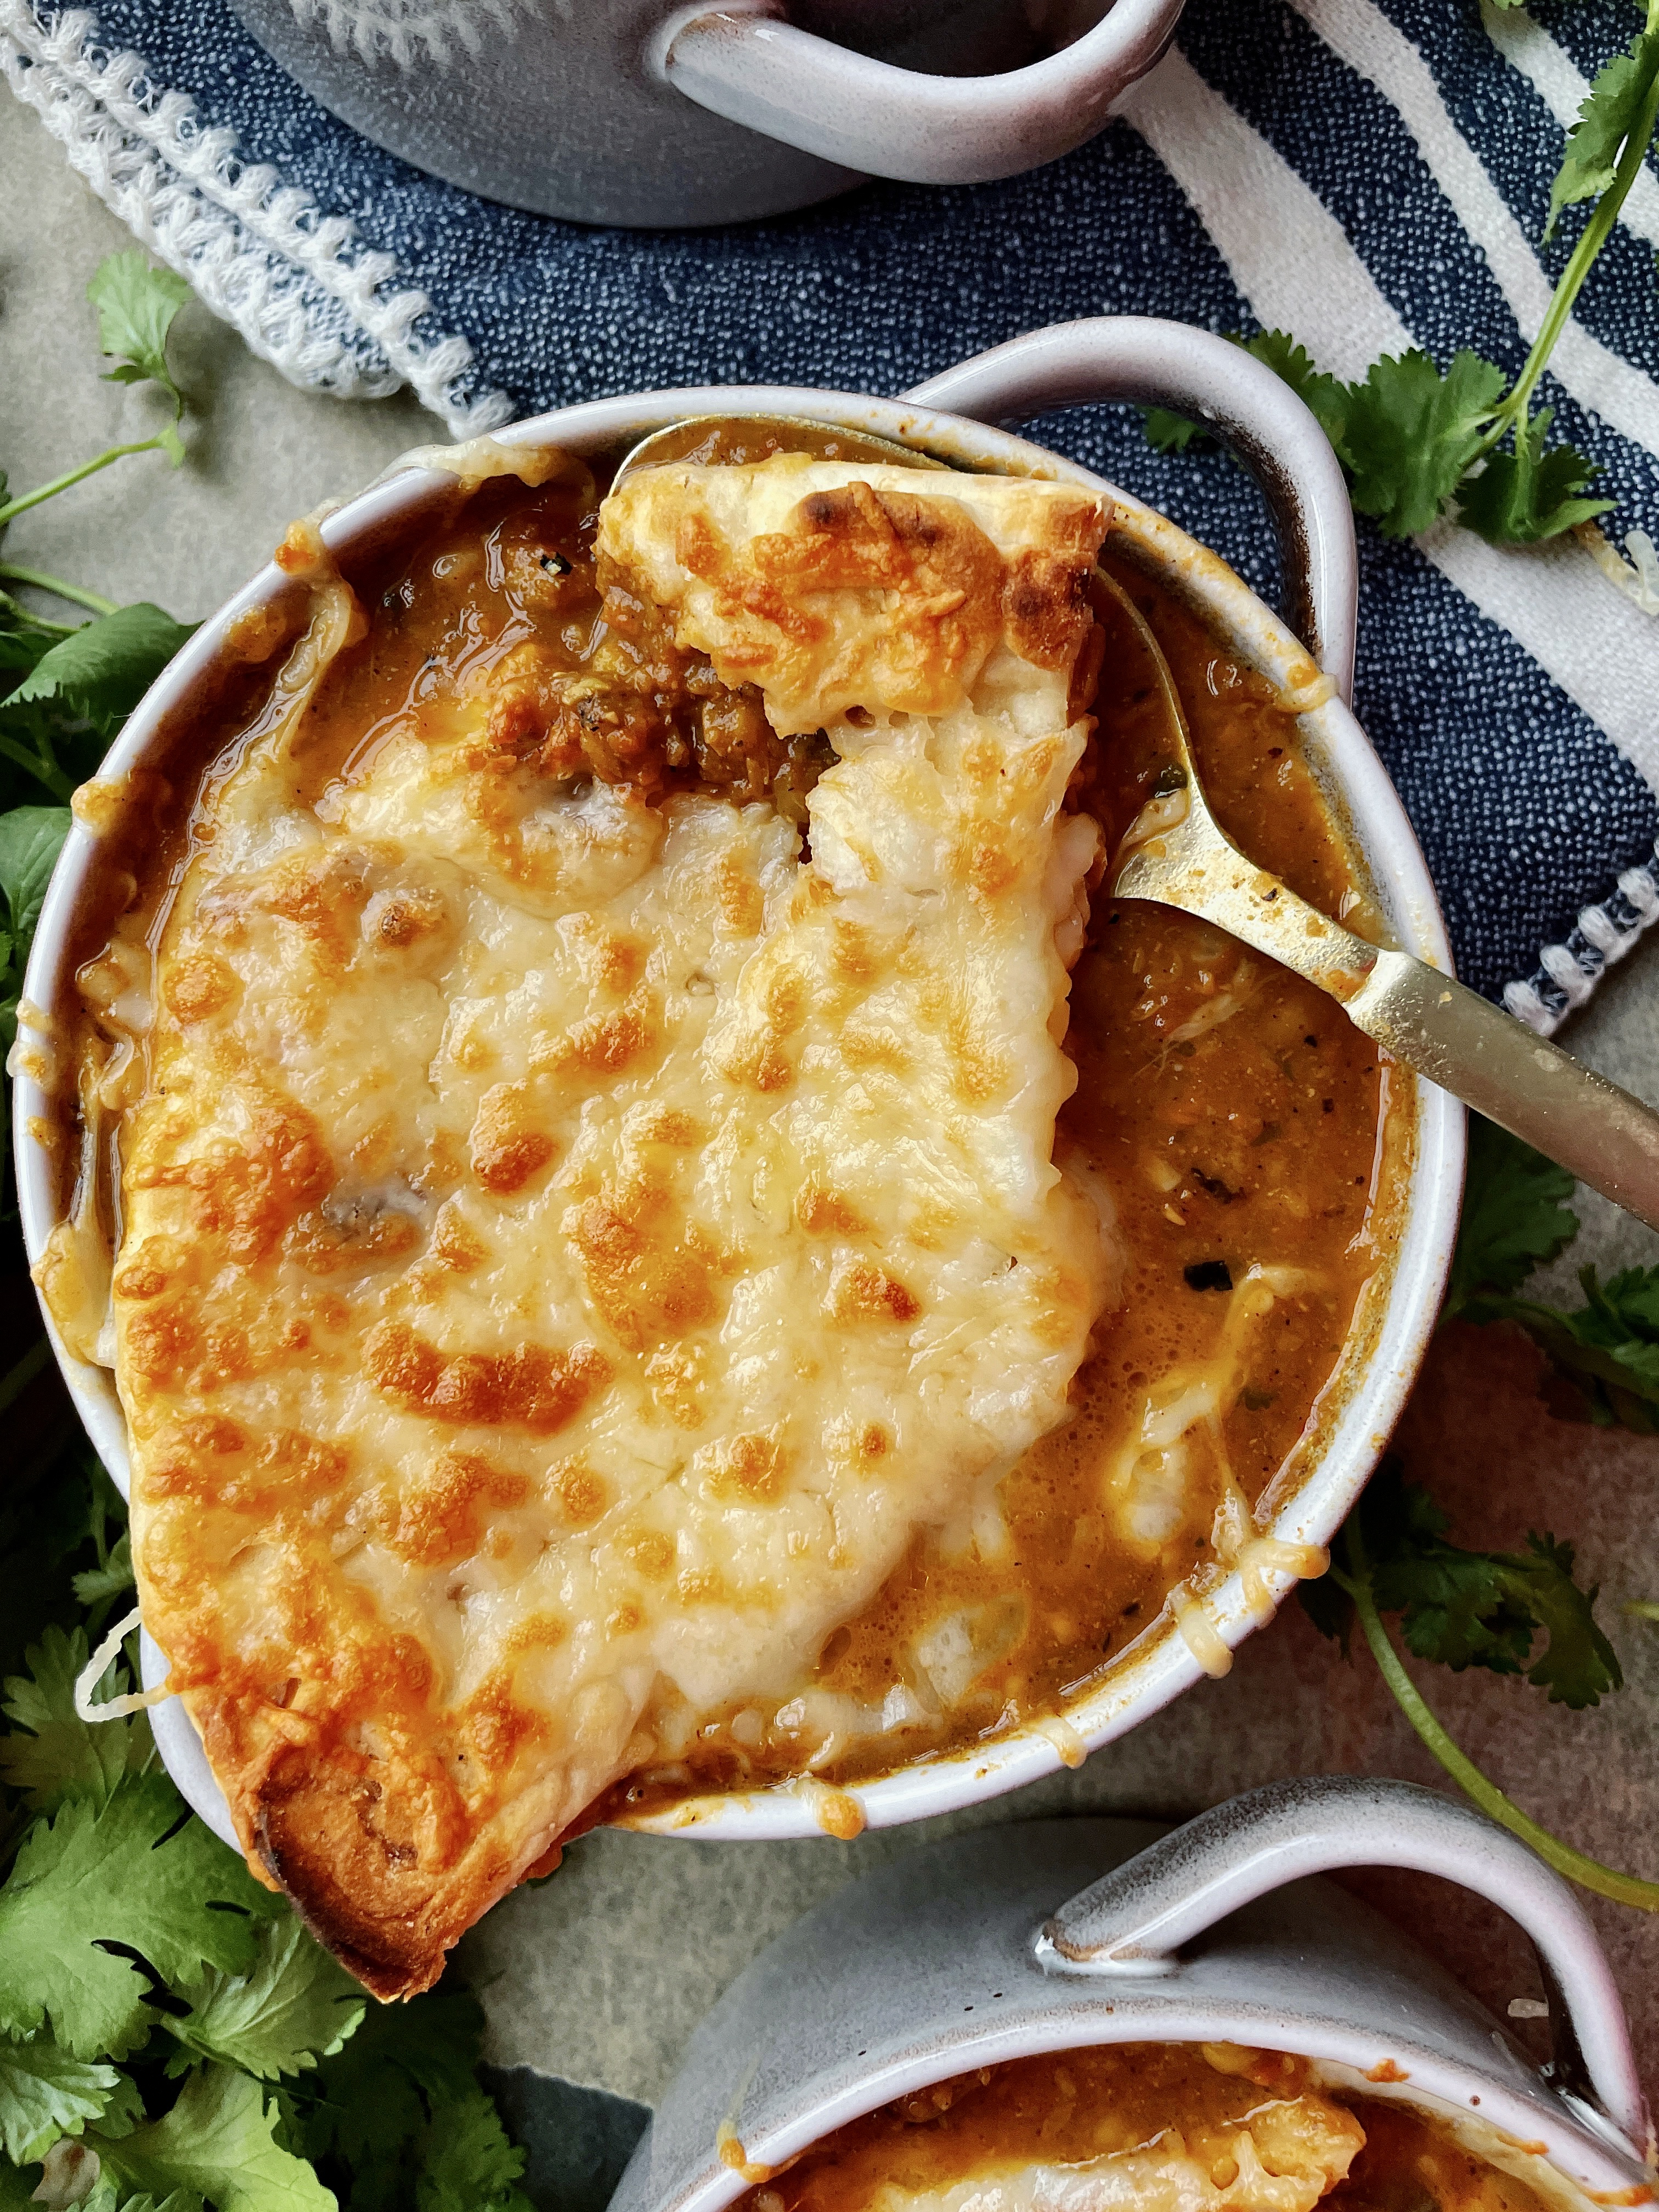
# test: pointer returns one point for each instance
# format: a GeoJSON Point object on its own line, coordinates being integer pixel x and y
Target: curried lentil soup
{"type": "Point", "coordinates": [1165, 2127]}
{"type": "Point", "coordinates": [1227, 1118]}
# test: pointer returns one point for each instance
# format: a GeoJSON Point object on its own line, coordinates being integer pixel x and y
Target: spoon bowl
{"type": "Point", "coordinates": [735, 439]}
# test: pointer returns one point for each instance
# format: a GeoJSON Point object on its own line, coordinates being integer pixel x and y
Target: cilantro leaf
{"type": "Point", "coordinates": [54, 1755]}
{"type": "Point", "coordinates": [1466, 1608]}
{"type": "Point", "coordinates": [43, 2094]}
{"type": "Point", "coordinates": [22, 638]}
{"type": "Point", "coordinates": [377, 2092]}
{"type": "Point", "coordinates": [1515, 1215]}
{"type": "Point", "coordinates": [1577, 1665]}
{"type": "Point", "coordinates": [21, 648]}
{"type": "Point", "coordinates": [135, 1871]}
{"type": "Point", "coordinates": [1520, 497]}
{"type": "Point", "coordinates": [110, 2195]}
{"type": "Point", "coordinates": [295, 2006]}
{"type": "Point", "coordinates": [1605, 1354]}
{"type": "Point", "coordinates": [101, 670]}
{"type": "Point", "coordinates": [95, 1586]}
{"type": "Point", "coordinates": [382, 2112]}
{"type": "Point", "coordinates": [219, 2143]}
{"type": "Point", "coordinates": [1410, 432]}
{"type": "Point", "coordinates": [16, 2188]}
{"type": "Point", "coordinates": [1329, 1607]}
{"type": "Point", "coordinates": [1458, 1607]}
{"type": "Point", "coordinates": [1328, 400]}
{"type": "Point", "coordinates": [31, 838]}
{"type": "Point", "coordinates": [135, 307]}
{"type": "Point", "coordinates": [470, 2162]}
{"type": "Point", "coordinates": [1613, 108]}
{"type": "Point", "coordinates": [1167, 433]}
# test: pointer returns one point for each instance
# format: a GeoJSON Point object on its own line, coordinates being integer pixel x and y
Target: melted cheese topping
{"type": "Point", "coordinates": [1283, 2158]}
{"type": "Point", "coordinates": [571, 1245]}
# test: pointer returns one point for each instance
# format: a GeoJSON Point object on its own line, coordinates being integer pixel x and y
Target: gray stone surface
{"type": "Point", "coordinates": [601, 1974]}
{"type": "Point", "coordinates": [260, 451]}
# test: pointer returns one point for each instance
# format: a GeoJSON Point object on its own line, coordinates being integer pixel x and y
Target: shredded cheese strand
{"type": "Point", "coordinates": [1065, 1739]}
{"type": "Point", "coordinates": [1199, 1633]}
{"type": "Point", "coordinates": [130, 1701]}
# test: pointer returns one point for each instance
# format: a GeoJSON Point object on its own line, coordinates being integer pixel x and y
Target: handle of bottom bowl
{"type": "Point", "coordinates": [1133, 1920]}
{"type": "Point", "coordinates": [744, 61]}
{"type": "Point", "coordinates": [1252, 411]}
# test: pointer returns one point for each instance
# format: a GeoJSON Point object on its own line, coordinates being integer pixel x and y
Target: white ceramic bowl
{"type": "Point", "coordinates": [1272, 431]}
{"type": "Point", "coordinates": [987, 1947]}
{"type": "Point", "coordinates": [659, 113]}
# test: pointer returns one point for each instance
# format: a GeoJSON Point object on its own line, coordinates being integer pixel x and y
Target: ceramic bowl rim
{"type": "Point", "coordinates": [1444, 2082]}
{"type": "Point", "coordinates": [1350, 1990]}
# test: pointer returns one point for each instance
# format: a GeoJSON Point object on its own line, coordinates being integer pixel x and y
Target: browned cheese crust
{"type": "Point", "coordinates": [458, 1428]}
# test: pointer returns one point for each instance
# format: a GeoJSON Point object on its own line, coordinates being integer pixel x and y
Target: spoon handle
{"type": "Point", "coordinates": [1447, 1032]}
{"type": "Point", "coordinates": [1521, 1081]}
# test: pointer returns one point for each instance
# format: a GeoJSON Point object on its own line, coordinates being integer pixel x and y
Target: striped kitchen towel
{"type": "Point", "coordinates": [1369, 174]}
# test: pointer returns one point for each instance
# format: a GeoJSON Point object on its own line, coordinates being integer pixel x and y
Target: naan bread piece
{"type": "Point", "coordinates": [571, 1245]}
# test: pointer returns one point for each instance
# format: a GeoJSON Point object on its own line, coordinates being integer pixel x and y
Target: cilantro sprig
{"type": "Point", "coordinates": [1474, 1608]}
{"type": "Point", "coordinates": [1516, 1217]}
{"type": "Point", "coordinates": [67, 687]}
{"type": "Point", "coordinates": [1604, 1354]}
{"type": "Point", "coordinates": [1418, 442]}
{"type": "Point", "coordinates": [1469, 1608]}
{"type": "Point", "coordinates": [135, 307]}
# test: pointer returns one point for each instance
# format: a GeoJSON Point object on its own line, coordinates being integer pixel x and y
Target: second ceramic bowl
{"type": "Point", "coordinates": [645, 112]}
{"type": "Point", "coordinates": [1056, 1935]}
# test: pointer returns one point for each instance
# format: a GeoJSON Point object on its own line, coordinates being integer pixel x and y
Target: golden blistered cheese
{"type": "Point", "coordinates": [571, 1245]}
{"type": "Point", "coordinates": [1285, 2156]}
{"type": "Point", "coordinates": [836, 586]}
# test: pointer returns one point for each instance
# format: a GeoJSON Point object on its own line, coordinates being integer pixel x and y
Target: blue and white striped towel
{"type": "Point", "coordinates": [1369, 174]}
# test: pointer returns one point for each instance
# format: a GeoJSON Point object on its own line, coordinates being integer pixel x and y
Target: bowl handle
{"type": "Point", "coordinates": [1134, 1920]}
{"type": "Point", "coordinates": [746, 63]}
{"type": "Point", "coordinates": [1252, 411]}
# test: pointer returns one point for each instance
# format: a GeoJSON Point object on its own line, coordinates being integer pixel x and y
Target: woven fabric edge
{"type": "Point", "coordinates": [1567, 973]}
{"type": "Point", "coordinates": [260, 253]}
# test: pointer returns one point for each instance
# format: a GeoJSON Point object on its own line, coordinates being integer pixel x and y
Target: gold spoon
{"type": "Point", "coordinates": [1175, 852]}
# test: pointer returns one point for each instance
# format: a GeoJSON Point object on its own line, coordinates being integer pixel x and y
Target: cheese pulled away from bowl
{"type": "Point", "coordinates": [573, 1240]}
